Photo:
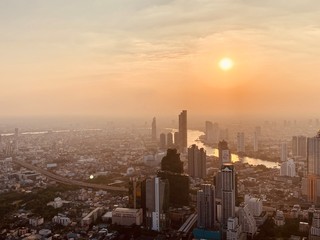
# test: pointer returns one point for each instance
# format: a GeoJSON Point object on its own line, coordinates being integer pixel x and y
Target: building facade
{"type": "Point", "coordinates": [228, 193]}
{"type": "Point", "coordinates": [206, 207]}
{"type": "Point", "coordinates": [240, 142]}
{"type": "Point", "coordinates": [197, 160]}
{"type": "Point", "coordinates": [183, 129]}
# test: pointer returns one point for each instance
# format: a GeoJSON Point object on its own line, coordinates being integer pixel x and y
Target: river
{"type": "Point", "coordinates": [193, 138]}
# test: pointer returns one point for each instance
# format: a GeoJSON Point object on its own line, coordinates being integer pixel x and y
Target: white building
{"type": "Point", "coordinates": [247, 221]}
{"type": "Point", "coordinates": [36, 221]}
{"type": "Point", "coordinates": [315, 227]}
{"type": "Point", "coordinates": [45, 234]}
{"type": "Point", "coordinates": [57, 203]}
{"type": "Point", "coordinates": [254, 205]}
{"type": "Point", "coordinates": [279, 219]}
{"type": "Point", "coordinates": [127, 216]}
{"type": "Point", "coordinates": [234, 229]}
{"type": "Point", "coordinates": [61, 219]}
{"type": "Point", "coordinates": [91, 217]}
{"type": "Point", "coordinates": [288, 168]}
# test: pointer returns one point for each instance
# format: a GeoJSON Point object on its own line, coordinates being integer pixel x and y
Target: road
{"type": "Point", "coordinates": [67, 181]}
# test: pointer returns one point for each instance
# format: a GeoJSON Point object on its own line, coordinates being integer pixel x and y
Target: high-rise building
{"type": "Point", "coordinates": [171, 162]}
{"type": "Point", "coordinates": [172, 170]}
{"type": "Point", "coordinates": [176, 138]}
{"type": "Point", "coordinates": [154, 130]}
{"type": "Point", "coordinates": [197, 159]}
{"type": "Point", "coordinates": [216, 133]}
{"type": "Point", "coordinates": [157, 203]}
{"type": "Point", "coordinates": [313, 159]}
{"type": "Point", "coordinates": [183, 129]}
{"type": "Point", "coordinates": [136, 193]}
{"type": "Point", "coordinates": [169, 140]}
{"type": "Point", "coordinates": [299, 146]}
{"type": "Point", "coordinates": [288, 168]}
{"type": "Point", "coordinates": [247, 221]}
{"type": "Point", "coordinates": [224, 152]}
{"type": "Point", "coordinates": [209, 132]}
{"type": "Point", "coordinates": [206, 207]}
{"type": "Point", "coordinates": [254, 204]}
{"type": "Point", "coordinates": [258, 131]}
{"type": "Point", "coordinates": [163, 141]}
{"type": "Point", "coordinates": [240, 142]}
{"type": "Point", "coordinates": [224, 134]}
{"type": "Point", "coordinates": [228, 193]}
{"type": "Point", "coordinates": [313, 168]}
{"type": "Point", "coordinates": [315, 227]}
{"type": "Point", "coordinates": [233, 229]}
{"type": "Point", "coordinates": [283, 151]}
{"type": "Point", "coordinates": [255, 141]}
{"type": "Point", "coordinates": [224, 157]}
{"type": "Point", "coordinates": [16, 138]}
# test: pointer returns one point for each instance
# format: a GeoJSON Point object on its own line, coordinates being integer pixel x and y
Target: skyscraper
{"type": "Point", "coordinates": [157, 203]}
{"type": "Point", "coordinates": [176, 138]}
{"type": "Point", "coordinates": [209, 132]}
{"type": "Point", "coordinates": [299, 146]}
{"type": "Point", "coordinates": [154, 130]}
{"type": "Point", "coordinates": [258, 130]}
{"type": "Point", "coordinates": [206, 206]}
{"type": "Point", "coordinates": [223, 134]}
{"type": "Point", "coordinates": [247, 220]}
{"type": "Point", "coordinates": [172, 170]}
{"type": "Point", "coordinates": [216, 132]}
{"type": "Point", "coordinates": [283, 151]}
{"type": "Point", "coordinates": [163, 141]}
{"type": "Point", "coordinates": [169, 140]}
{"type": "Point", "coordinates": [256, 141]}
{"type": "Point", "coordinates": [171, 162]}
{"type": "Point", "coordinates": [313, 168]}
{"type": "Point", "coordinates": [16, 138]}
{"type": "Point", "coordinates": [224, 157]}
{"type": "Point", "coordinates": [183, 144]}
{"type": "Point", "coordinates": [197, 159]}
{"type": "Point", "coordinates": [228, 193]}
{"type": "Point", "coordinates": [240, 142]}
{"type": "Point", "coordinates": [136, 193]}
{"type": "Point", "coordinates": [224, 153]}
{"type": "Point", "coordinates": [288, 168]}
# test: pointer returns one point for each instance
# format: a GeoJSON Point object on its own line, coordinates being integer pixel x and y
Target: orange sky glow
{"type": "Point", "coordinates": [148, 57]}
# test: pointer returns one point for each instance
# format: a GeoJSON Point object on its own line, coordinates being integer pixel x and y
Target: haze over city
{"type": "Point", "coordinates": [142, 58]}
{"type": "Point", "coordinates": [159, 120]}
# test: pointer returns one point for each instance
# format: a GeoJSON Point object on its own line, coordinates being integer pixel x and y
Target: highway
{"type": "Point", "coordinates": [67, 181]}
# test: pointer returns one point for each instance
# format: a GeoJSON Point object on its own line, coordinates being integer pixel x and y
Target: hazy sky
{"type": "Point", "coordinates": [154, 57]}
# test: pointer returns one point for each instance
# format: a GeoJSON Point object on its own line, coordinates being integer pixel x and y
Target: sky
{"type": "Point", "coordinates": [155, 57]}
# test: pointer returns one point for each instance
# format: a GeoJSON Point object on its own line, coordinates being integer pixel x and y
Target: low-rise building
{"type": "Point", "coordinates": [61, 219]}
{"type": "Point", "coordinates": [91, 217]}
{"type": "Point", "coordinates": [127, 216]}
{"type": "Point", "coordinates": [36, 221]}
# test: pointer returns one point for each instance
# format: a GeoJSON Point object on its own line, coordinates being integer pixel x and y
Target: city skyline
{"type": "Point", "coordinates": [85, 58]}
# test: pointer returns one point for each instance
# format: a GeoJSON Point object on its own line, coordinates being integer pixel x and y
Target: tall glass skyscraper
{"type": "Point", "coordinates": [183, 140]}
{"type": "Point", "coordinates": [313, 168]}
{"type": "Point", "coordinates": [228, 192]}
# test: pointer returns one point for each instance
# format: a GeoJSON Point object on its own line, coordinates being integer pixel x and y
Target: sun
{"type": "Point", "coordinates": [226, 64]}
